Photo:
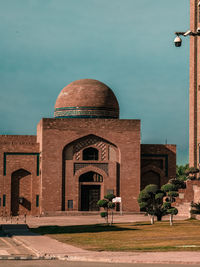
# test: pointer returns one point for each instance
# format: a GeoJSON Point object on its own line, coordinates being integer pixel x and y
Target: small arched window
{"type": "Point", "coordinates": [90, 153]}
{"type": "Point", "coordinates": [91, 177]}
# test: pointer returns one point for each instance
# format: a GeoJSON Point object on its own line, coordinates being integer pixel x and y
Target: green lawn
{"type": "Point", "coordinates": [183, 236]}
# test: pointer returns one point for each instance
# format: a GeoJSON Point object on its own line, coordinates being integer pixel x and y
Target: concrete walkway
{"type": "Point", "coordinates": [44, 246]}
{"type": "Point", "coordinates": [47, 248]}
{"type": "Point", "coordinates": [34, 222]}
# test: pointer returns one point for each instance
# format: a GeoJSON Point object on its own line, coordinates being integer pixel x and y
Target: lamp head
{"type": "Point", "coordinates": [177, 41]}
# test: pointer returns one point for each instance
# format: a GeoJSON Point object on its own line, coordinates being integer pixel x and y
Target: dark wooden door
{"type": "Point", "coordinates": [90, 194]}
{"type": "Point", "coordinates": [15, 194]}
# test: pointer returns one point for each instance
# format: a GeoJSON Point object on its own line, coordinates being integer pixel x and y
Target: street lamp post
{"type": "Point", "coordinates": [178, 40]}
{"type": "Point", "coordinates": [194, 82]}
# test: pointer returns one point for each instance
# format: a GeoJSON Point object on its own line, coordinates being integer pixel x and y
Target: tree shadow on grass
{"type": "Point", "coordinates": [96, 228]}
{"type": "Point", "coordinates": [141, 224]}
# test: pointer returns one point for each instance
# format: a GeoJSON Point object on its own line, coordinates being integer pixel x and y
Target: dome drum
{"type": "Point", "coordinates": [86, 112]}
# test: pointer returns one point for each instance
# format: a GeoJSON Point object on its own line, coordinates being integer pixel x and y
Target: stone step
{"type": "Point", "coordinates": [183, 209]}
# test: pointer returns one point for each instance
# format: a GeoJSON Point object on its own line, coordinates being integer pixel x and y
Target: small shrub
{"type": "Point", "coordinates": [107, 204]}
{"type": "Point", "coordinates": [103, 214]}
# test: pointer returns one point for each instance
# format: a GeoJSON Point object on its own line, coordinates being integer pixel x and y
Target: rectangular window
{"type": "Point", "coordinates": [70, 204]}
{"type": "Point", "coordinates": [37, 200]}
{"type": "Point", "coordinates": [4, 200]}
{"type": "Point", "coordinates": [110, 191]}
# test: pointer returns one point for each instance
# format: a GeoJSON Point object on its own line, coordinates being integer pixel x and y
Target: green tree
{"type": "Point", "coordinates": [107, 204]}
{"type": "Point", "coordinates": [181, 169]}
{"type": "Point", "coordinates": [151, 200]}
{"type": "Point", "coordinates": [181, 174]}
{"type": "Point", "coordinates": [178, 182]}
{"type": "Point", "coordinates": [195, 208]}
{"type": "Point", "coordinates": [171, 194]}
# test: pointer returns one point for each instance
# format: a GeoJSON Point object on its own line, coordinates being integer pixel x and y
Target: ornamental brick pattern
{"type": "Point", "coordinates": [102, 166]}
{"type": "Point", "coordinates": [90, 141]}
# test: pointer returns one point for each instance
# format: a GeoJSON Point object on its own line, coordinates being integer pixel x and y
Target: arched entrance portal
{"type": "Point", "coordinates": [90, 190]}
{"type": "Point", "coordinates": [20, 192]}
{"type": "Point", "coordinates": [150, 177]}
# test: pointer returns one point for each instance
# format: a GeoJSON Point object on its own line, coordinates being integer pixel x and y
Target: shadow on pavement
{"type": "Point", "coordinates": [54, 229]}
{"type": "Point", "coordinates": [15, 229]}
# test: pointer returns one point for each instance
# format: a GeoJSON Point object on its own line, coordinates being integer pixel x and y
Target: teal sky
{"type": "Point", "coordinates": [127, 44]}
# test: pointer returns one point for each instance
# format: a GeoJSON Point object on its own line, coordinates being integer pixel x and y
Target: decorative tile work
{"type": "Point", "coordinates": [86, 112]}
{"type": "Point", "coordinates": [102, 166]}
{"type": "Point", "coordinates": [78, 155]}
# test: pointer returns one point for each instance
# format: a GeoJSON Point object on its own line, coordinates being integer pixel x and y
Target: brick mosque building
{"type": "Point", "coordinates": [80, 155]}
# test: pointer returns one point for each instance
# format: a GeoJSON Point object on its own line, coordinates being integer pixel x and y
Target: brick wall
{"type": "Point", "coordinates": [19, 152]}
{"type": "Point", "coordinates": [158, 164]}
{"type": "Point", "coordinates": [186, 196]}
{"type": "Point", "coordinates": [49, 165]}
{"type": "Point", "coordinates": [57, 133]}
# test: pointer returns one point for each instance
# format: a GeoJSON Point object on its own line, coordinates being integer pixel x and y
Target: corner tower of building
{"type": "Point", "coordinates": [86, 98]}
{"type": "Point", "coordinates": [194, 91]}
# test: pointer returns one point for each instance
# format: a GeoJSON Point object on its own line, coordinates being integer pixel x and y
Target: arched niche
{"type": "Point", "coordinates": [150, 177]}
{"type": "Point", "coordinates": [20, 192]}
{"type": "Point", "coordinates": [87, 150]}
{"type": "Point", "coordinates": [90, 153]}
{"type": "Point", "coordinates": [106, 149]}
{"type": "Point", "coordinates": [90, 177]}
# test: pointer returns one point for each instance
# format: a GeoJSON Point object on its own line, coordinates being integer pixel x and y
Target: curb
{"type": "Point", "coordinates": [20, 258]}
{"type": "Point", "coordinates": [89, 259]}
{"type": "Point", "coordinates": [27, 258]}
{"type": "Point", "coordinates": [114, 260]}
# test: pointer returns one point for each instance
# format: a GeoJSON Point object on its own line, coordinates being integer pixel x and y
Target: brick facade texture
{"type": "Point", "coordinates": [158, 164]}
{"type": "Point", "coordinates": [43, 171]}
{"type": "Point", "coordinates": [194, 90]}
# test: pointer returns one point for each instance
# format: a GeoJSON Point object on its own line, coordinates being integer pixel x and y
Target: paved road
{"type": "Point", "coordinates": [82, 264]}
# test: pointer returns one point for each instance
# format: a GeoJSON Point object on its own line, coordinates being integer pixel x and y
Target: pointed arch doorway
{"type": "Point", "coordinates": [90, 190]}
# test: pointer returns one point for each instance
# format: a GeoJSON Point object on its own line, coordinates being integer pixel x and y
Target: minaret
{"type": "Point", "coordinates": [194, 91]}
